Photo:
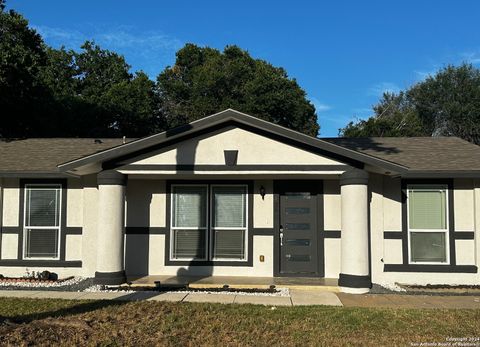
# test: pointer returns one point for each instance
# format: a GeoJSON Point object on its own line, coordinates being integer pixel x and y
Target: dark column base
{"type": "Point", "coordinates": [110, 278]}
{"type": "Point", "coordinates": [353, 281]}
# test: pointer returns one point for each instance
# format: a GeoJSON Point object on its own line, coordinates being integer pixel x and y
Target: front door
{"type": "Point", "coordinates": [299, 210]}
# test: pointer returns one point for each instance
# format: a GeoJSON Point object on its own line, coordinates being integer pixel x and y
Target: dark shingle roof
{"type": "Point", "coordinates": [418, 153]}
{"type": "Point", "coordinates": [43, 155]}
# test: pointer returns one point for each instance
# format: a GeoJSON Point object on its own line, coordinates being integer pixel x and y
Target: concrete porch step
{"type": "Point", "coordinates": [236, 282]}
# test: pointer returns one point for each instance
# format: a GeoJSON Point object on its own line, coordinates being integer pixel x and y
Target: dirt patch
{"type": "Point", "coordinates": [48, 331]}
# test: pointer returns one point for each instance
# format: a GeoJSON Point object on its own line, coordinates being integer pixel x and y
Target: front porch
{"type": "Point", "coordinates": [317, 283]}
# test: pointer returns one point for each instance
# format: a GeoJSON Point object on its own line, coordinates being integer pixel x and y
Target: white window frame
{"type": "Point", "coordinates": [209, 224]}
{"type": "Point", "coordinates": [56, 186]}
{"type": "Point", "coordinates": [172, 228]}
{"type": "Point", "coordinates": [212, 228]}
{"type": "Point", "coordinates": [446, 230]}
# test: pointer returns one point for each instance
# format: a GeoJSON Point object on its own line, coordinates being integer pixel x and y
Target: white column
{"type": "Point", "coordinates": [355, 274]}
{"type": "Point", "coordinates": [110, 228]}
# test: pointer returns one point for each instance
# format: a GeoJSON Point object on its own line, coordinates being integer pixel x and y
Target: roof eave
{"type": "Point", "coordinates": [223, 117]}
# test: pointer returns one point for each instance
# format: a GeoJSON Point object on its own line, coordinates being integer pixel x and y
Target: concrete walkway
{"type": "Point", "coordinates": [297, 298]}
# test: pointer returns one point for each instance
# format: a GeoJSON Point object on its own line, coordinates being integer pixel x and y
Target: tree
{"type": "Point", "coordinates": [47, 92]}
{"type": "Point", "coordinates": [134, 104]}
{"type": "Point", "coordinates": [22, 55]}
{"type": "Point", "coordinates": [394, 115]}
{"type": "Point", "coordinates": [94, 90]}
{"type": "Point", "coordinates": [446, 104]}
{"type": "Point", "coordinates": [204, 81]}
{"type": "Point", "coordinates": [449, 102]}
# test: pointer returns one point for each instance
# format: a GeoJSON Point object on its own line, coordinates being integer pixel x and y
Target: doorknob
{"type": "Point", "coordinates": [281, 235]}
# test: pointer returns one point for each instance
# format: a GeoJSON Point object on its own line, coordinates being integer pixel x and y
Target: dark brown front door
{"type": "Point", "coordinates": [299, 251]}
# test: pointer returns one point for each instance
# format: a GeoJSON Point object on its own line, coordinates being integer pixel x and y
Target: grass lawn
{"type": "Point", "coordinates": [111, 323]}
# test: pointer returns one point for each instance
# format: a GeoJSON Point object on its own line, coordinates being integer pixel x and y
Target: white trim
{"type": "Point", "coordinates": [446, 231]}
{"type": "Point", "coordinates": [58, 206]}
{"type": "Point", "coordinates": [172, 228]}
{"type": "Point", "coordinates": [213, 229]}
{"type": "Point", "coordinates": [209, 229]}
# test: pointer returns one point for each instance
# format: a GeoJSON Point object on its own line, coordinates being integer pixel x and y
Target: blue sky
{"type": "Point", "coordinates": [345, 54]}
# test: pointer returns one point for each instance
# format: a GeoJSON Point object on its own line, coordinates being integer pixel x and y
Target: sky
{"type": "Point", "coordinates": [344, 54]}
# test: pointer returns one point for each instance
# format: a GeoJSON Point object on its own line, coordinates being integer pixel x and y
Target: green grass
{"type": "Point", "coordinates": [112, 323]}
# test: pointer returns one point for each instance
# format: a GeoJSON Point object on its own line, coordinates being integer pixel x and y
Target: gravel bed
{"type": "Point", "coordinates": [421, 290]}
{"type": "Point", "coordinates": [231, 291]}
{"type": "Point", "coordinates": [74, 284]}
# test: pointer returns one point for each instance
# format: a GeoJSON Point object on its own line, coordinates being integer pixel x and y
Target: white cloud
{"type": "Point", "coordinates": [150, 51]}
{"type": "Point", "coordinates": [319, 106]}
{"type": "Point", "coordinates": [383, 87]}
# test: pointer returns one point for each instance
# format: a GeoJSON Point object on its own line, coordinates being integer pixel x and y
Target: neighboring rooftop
{"type": "Point", "coordinates": [418, 153]}
{"type": "Point", "coordinates": [42, 155]}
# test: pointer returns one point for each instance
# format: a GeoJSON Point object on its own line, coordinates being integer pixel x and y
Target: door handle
{"type": "Point", "coordinates": [281, 235]}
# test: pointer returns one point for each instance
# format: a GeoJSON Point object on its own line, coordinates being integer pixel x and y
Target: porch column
{"type": "Point", "coordinates": [110, 230]}
{"type": "Point", "coordinates": [355, 274]}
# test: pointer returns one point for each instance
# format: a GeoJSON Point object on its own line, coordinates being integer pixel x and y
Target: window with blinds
{"type": "Point", "coordinates": [428, 223]}
{"type": "Point", "coordinates": [189, 222]}
{"type": "Point", "coordinates": [229, 222]}
{"type": "Point", "coordinates": [42, 221]}
{"type": "Point", "coordinates": [209, 222]}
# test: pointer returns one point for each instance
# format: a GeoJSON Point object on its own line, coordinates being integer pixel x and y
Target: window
{"type": "Point", "coordinates": [229, 222]}
{"type": "Point", "coordinates": [428, 223]}
{"type": "Point", "coordinates": [41, 229]}
{"type": "Point", "coordinates": [209, 222]}
{"type": "Point", "coordinates": [189, 222]}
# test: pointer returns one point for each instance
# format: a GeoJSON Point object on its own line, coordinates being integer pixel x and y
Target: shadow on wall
{"type": "Point", "coordinates": [138, 232]}
{"type": "Point", "coordinates": [185, 163]}
{"type": "Point", "coordinates": [139, 199]}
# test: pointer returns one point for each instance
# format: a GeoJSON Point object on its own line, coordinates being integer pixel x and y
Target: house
{"type": "Point", "coordinates": [234, 195]}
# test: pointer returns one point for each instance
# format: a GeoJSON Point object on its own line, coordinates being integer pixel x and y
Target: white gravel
{"type": "Point", "coordinates": [114, 289]}
{"type": "Point", "coordinates": [392, 286]}
{"type": "Point", "coordinates": [72, 281]}
{"type": "Point", "coordinates": [100, 289]}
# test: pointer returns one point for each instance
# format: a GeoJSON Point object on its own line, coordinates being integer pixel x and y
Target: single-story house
{"type": "Point", "coordinates": [233, 195]}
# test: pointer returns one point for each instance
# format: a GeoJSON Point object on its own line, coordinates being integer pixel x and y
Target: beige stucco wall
{"type": "Point", "coordinates": [392, 205]}
{"type": "Point", "coordinates": [377, 210]}
{"type": "Point", "coordinates": [11, 202]}
{"type": "Point", "coordinates": [74, 203]}
{"type": "Point", "coordinates": [10, 209]}
{"type": "Point", "coordinates": [9, 246]}
{"type": "Point", "coordinates": [252, 149]}
{"type": "Point", "coordinates": [263, 208]}
{"type": "Point", "coordinates": [73, 247]}
{"type": "Point", "coordinates": [146, 203]}
{"type": "Point", "coordinates": [146, 206]}
{"type": "Point", "coordinates": [392, 252]}
{"type": "Point", "coordinates": [332, 249]}
{"type": "Point", "coordinates": [464, 209]}
{"type": "Point", "coordinates": [386, 215]}
{"type": "Point", "coordinates": [332, 205]}
{"type": "Point", "coordinates": [262, 245]}
{"type": "Point", "coordinates": [90, 220]}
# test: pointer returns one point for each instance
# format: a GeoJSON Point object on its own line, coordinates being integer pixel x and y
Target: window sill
{"type": "Point", "coordinates": [41, 263]}
{"type": "Point", "coordinates": [194, 263]}
{"type": "Point", "coordinates": [430, 268]}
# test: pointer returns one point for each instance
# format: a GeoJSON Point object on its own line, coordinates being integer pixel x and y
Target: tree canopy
{"type": "Point", "coordinates": [445, 104]}
{"type": "Point", "coordinates": [205, 80]}
{"type": "Point", "coordinates": [48, 92]}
